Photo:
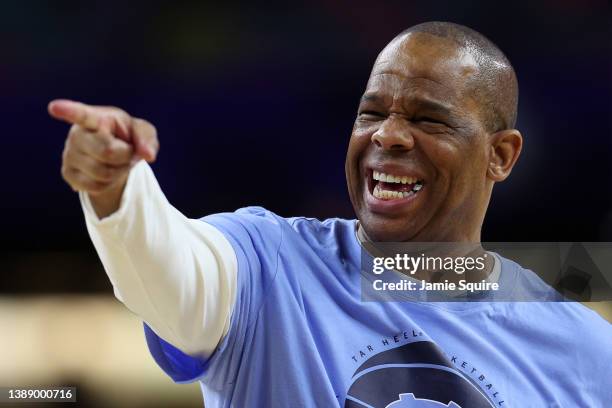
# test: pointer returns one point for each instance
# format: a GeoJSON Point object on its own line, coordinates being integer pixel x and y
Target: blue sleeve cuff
{"type": "Point", "coordinates": [181, 367]}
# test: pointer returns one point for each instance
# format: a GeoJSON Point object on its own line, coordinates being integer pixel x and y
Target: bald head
{"type": "Point", "coordinates": [494, 85]}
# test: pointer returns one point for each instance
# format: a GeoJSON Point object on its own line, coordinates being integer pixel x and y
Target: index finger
{"type": "Point", "coordinates": [76, 113]}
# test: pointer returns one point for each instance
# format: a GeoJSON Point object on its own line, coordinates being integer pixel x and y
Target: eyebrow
{"type": "Point", "coordinates": [370, 97]}
{"type": "Point", "coordinates": [434, 106]}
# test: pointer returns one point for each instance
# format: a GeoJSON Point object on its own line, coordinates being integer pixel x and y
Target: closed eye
{"type": "Point", "coordinates": [371, 115]}
{"type": "Point", "coordinates": [425, 120]}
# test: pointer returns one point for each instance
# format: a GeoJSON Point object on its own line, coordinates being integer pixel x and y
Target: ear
{"type": "Point", "coordinates": [504, 152]}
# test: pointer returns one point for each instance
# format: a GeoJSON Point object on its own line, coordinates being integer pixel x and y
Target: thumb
{"type": "Point", "coordinates": [144, 138]}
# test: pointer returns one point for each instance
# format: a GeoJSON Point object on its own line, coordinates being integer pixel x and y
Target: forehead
{"type": "Point", "coordinates": [421, 63]}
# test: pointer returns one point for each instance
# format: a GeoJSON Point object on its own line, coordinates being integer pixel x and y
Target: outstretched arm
{"type": "Point", "coordinates": [178, 274]}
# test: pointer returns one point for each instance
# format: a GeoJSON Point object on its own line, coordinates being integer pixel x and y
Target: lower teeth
{"type": "Point", "coordinates": [390, 195]}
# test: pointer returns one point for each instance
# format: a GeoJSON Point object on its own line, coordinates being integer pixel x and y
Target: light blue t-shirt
{"type": "Point", "coordinates": [300, 336]}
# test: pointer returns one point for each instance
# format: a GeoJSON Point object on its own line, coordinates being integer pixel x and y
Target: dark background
{"type": "Point", "coordinates": [254, 106]}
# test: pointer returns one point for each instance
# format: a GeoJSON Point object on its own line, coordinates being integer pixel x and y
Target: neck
{"type": "Point", "coordinates": [465, 249]}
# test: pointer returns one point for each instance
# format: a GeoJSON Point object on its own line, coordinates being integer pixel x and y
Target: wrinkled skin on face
{"type": "Point", "coordinates": [419, 117]}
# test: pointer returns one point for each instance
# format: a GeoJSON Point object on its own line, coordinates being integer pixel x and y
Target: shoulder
{"type": "Point", "coordinates": [582, 336]}
{"type": "Point", "coordinates": [521, 284]}
{"type": "Point", "coordinates": [251, 221]}
{"type": "Point", "coordinates": [568, 329]}
{"type": "Point", "coordinates": [593, 329]}
{"type": "Point", "coordinates": [569, 337]}
{"type": "Point", "coordinates": [247, 216]}
{"type": "Point", "coordinates": [260, 224]}
{"type": "Point", "coordinates": [568, 324]}
{"type": "Point", "coordinates": [253, 231]}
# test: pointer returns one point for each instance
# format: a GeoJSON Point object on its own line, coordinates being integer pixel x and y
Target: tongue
{"type": "Point", "coordinates": [395, 186]}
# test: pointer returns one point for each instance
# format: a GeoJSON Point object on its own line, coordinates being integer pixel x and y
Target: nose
{"type": "Point", "coordinates": [394, 134]}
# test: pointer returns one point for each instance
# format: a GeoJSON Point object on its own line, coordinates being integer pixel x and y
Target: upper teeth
{"type": "Point", "coordinates": [390, 178]}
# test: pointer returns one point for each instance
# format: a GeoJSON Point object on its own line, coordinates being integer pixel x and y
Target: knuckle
{"type": "Point", "coordinates": [123, 116]}
{"type": "Point", "coordinates": [106, 149]}
{"type": "Point", "coordinates": [74, 132]}
{"type": "Point", "coordinates": [75, 137]}
{"type": "Point", "coordinates": [117, 112]}
{"type": "Point", "coordinates": [68, 155]}
{"type": "Point", "coordinates": [69, 140]}
{"type": "Point", "coordinates": [146, 127]}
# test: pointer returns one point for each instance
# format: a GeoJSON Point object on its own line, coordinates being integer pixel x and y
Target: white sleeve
{"type": "Point", "coordinates": [176, 273]}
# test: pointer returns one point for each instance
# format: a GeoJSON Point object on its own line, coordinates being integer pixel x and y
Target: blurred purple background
{"type": "Point", "coordinates": [254, 106]}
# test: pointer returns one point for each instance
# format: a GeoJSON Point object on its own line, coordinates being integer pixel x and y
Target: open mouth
{"type": "Point", "coordinates": [393, 187]}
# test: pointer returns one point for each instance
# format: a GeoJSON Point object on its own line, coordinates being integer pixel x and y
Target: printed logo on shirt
{"type": "Point", "coordinates": [414, 375]}
{"type": "Point", "coordinates": [408, 401]}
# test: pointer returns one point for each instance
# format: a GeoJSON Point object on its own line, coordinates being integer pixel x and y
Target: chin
{"type": "Point", "coordinates": [379, 229]}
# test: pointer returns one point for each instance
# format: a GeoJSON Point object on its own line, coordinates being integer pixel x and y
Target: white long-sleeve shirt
{"type": "Point", "coordinates": [177, 274]}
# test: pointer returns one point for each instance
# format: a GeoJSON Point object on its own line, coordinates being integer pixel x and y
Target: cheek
{"type": "Point", "coordinates": [359, 143]}
{"type": "Point", "coordinates": [361, 139]}
{"type": "Point", "coordinates": [362, 133]}
{"type": "Point", "coordinates": [451, 156]}
{"type": "Point", "coordinates": [445, 156]}
{"type": "Point", "coordinates": [459, 168]}
{"type": "Point", "coordinates": [452, 165]}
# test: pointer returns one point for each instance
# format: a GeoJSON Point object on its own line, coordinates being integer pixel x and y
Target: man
{"type": "Point", "coordinates": [266, 311]}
